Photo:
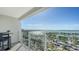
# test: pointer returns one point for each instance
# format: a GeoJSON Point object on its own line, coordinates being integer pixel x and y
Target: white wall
{"type": "Point", "coordinates": [12, 24]}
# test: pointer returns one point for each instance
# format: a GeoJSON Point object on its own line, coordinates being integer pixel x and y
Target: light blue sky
{"type": "Point", "coordinates": [65, 18]}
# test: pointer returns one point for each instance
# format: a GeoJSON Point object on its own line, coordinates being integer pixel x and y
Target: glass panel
{"type": "Point", "coordinates": [37, 41]}
{"type": "Point", "coordinates": [51, 41]}
{"type": "Point", "coordinates": [62, 41]}
{"type": "Point", "coordinates": [25, 37]}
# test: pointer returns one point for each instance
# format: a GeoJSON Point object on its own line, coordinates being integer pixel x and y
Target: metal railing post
{"type": "Point", "coordinates": [29, 37]}
{"type": "Point", "coordinates": [45, 38]}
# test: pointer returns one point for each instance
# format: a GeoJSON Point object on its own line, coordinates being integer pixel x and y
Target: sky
{"type": "Point", "coordinates": [54, 18]}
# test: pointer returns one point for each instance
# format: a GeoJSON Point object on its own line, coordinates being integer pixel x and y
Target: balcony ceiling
{"type": "Point", "coordinates": [14, 11]}
{"type": "Point", "coordinates": [18, 12]}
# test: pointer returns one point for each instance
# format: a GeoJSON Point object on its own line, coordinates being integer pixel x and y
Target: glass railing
{"type": "Point", "coordinates": [51, 41]}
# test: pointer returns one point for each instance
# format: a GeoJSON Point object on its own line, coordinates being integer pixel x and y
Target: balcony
{"type": "Point", "coordinates": [10, 18]}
